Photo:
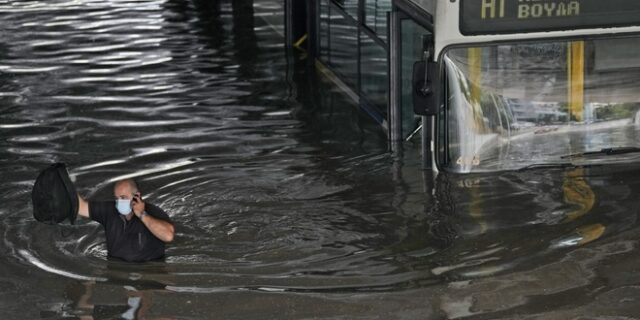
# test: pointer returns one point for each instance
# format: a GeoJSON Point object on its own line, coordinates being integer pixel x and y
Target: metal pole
{"type": "Point", "coordinates": [395, 110]}
{"type": "Point", "coordinates": [427, 127]}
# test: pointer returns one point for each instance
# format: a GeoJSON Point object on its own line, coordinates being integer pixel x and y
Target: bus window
{"type": "Point", "coordinates": [616, 54]}
{"type": "Point", "coordinates": [514, 105]}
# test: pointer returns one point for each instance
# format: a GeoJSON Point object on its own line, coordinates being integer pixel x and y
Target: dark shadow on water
{"type": "Point", "coordinates": [287, 201]}
{"type": "Point", "coordinates": [244, 37]}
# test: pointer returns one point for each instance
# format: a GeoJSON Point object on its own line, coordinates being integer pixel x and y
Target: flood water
{"type": "Point", "coordinates": [286, 200]}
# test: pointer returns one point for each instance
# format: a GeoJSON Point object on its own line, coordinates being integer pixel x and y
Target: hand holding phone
{"type": "Point", "coordinates": [137, 204]}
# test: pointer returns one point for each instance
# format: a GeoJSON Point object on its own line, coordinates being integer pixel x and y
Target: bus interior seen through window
{"type": "Point", "coordinates": [514, 105]}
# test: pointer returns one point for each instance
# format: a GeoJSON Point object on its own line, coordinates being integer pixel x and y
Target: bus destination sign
{"type": "Point", "coordinates": [479, 17]}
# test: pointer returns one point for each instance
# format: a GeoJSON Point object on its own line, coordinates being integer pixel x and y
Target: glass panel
{"type": "Point", "coordinates": [411, 46]}
{"type": "Point", "coordinates": [428, 5]}
{"type": "Point", "coordinates": [349, 6]}
{"type": "Point", "coordinates": [376, 16]}
{"type": "Point", "coordinates": [374, 73]}
{"type": "Point", "coordinates": [615, 54]}
{"type": "Point", "coordinates": [512, 106]}
{"type": "Point", "coordinates": [324, 31]}
{"type": "Point", "coordinates": [344, 48]}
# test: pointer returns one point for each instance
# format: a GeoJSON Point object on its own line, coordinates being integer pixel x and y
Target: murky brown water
{"type": "Point", "coordinates": [286, 201]}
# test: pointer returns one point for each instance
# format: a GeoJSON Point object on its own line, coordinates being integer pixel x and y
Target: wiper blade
{"type": "Point", "coordinates": [548, 166]}
{"type": "Point", "coordinates": [557, 165]}
{"type": "Point", "coordinates": [605, 151]}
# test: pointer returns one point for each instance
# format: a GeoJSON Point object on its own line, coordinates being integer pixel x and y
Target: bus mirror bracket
{"type": "Point", "coordinates": [425, 97]}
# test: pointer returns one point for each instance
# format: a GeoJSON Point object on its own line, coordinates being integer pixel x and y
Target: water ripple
{"type": "Point", "coordinates": [280, 203]}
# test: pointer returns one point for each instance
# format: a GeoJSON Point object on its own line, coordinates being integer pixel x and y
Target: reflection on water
{"type": "Point", "coordinates": [286, 201]}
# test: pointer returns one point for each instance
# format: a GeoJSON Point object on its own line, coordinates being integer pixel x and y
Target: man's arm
{"type": "Point", "coordinates": [163, 230]}
{"type": "Point", "coordinates": [83, 207]}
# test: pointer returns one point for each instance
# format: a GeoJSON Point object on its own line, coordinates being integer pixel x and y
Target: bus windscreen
{"type": "Point", "coordinates": [484, 17]}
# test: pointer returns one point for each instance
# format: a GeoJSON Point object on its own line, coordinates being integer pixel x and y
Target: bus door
{"type": "Point", "coordinates": [411, 43]}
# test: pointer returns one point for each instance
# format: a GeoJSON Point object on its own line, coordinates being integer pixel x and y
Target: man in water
{"type": "Point", "coordinates": [135, 230]}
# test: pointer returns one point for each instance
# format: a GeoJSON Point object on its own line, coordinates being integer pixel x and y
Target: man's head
{"type": "Point", "coordinates": [125, 189]}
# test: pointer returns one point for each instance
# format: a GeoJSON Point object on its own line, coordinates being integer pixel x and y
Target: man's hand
{"type": "Point", "coordinates": [163, 230]}
{"type": "Point", "coordinates": [83, 207]}
{"type": "Point", "coordinates": [137, 205]}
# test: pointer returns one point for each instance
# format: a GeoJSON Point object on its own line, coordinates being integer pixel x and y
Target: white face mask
{"type": "Point", "coordinates": [123, 206]}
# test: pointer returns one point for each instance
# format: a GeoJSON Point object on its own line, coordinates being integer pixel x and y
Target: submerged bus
{"type": "Point", "coordinates": [493, 84]}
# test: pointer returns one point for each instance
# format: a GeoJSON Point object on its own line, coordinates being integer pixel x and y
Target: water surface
{"type": "Point", "coordinates": [286, 200]}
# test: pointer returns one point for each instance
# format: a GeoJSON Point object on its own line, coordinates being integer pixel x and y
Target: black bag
{"type": "Point", "coordinates": [54, 197]}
